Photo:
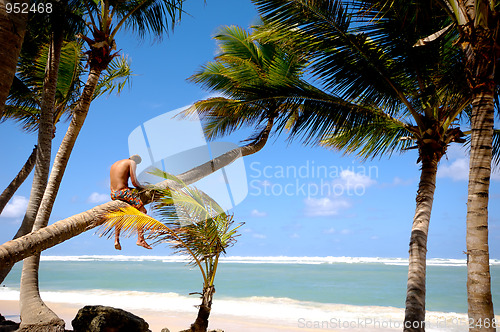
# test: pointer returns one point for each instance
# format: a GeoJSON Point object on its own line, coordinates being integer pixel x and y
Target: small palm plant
{"type": "Point", "coordinates": [192, 224]}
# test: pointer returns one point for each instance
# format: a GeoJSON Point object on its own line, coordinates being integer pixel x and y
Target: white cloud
{"type": "Point", "coordinates": [321, 207]}
{"type": "Point", "coordinates": [351, 179]}
{"type": "Point", "coordinates": [457, 170]}
{"type": "Point", "coordinates": [98, 198]}
{"type": "Point", "coordinates": [15, 208]}
{"type": "Point", "coordinates": [345, 231]}
{"type": "Point", "coordinates": [258, 214]}
{"type": "Point", "coordinates": [294, 236]}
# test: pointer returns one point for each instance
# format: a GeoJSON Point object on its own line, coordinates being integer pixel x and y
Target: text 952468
{"type": "Point", "coordinates": [25, 8]}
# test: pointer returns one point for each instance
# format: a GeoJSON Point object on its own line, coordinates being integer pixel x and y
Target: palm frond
{"type": "Point", "coordinates": [257, 79]}
{"type": "Point", "coordinates": [27, 117]}
{"type": "Point", "coordinates": [116, 77]}
{"type": "Point", "coordinates": [234, 42]}
{"type": "Point", "coordinates": [381, 136]}
{"type": "Point", "coordinates": [22, 95]}
{"type": "Point", "coordinates": [26, 92]}
{"type": "Point", "coordinates": [222, 116]}
{"type": "Point", "coordinates": [129, 220]}
{"type": "Point", "coordinates": [148, 16]}
{"type": "Point", "coordinates": [70, 70]}
{"type": "Point", "coordinates": [349, 62]}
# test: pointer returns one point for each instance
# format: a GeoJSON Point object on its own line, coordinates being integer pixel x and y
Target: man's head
{"type": "Point", "coordinates": [136, 158]}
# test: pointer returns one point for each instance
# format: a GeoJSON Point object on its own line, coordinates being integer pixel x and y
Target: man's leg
{"type": "Point", "coordinates": [117, 239]}
{"type": "Point", "coordinates": [140, 233]}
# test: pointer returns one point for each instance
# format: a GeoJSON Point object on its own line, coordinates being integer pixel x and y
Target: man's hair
{"type": "Point", "coordinates": [136, 158]}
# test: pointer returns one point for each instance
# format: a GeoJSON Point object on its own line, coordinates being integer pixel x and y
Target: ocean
{"type": "Point", "coordinates": [307, 290]}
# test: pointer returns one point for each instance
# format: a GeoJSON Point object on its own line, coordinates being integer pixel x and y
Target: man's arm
{"type": "Point", "coordinates": [133, 177]}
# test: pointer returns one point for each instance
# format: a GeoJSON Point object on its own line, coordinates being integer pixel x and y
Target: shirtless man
{"type": "Point", "coordinates": [120, 172]}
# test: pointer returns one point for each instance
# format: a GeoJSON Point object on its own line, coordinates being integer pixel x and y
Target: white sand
{"type": "Point", "coordinates": [180, 321]}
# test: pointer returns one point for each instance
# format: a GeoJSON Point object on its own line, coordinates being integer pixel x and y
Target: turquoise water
{"type": "Point", "coordinates": [319, 281]}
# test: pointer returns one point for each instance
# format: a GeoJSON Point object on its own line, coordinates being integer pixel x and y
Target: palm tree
{"type": "Point", "coordinates": [141, 15]}
{"type": "Point", "coordinates": [477, 23]}
{"type": "Point", "coordinates": [250, 75]}
{"type": "Point", "coordinates": [193, 224]}
{"type": "Point", "coordinates": [389, 94]}
{"type": "Point", "coordinates": [12, 30]}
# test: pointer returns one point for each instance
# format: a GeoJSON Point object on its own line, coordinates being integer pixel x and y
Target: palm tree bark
{"type": "Point", "coordinates": [201, 322]}
{"type": "Point", "coordinates": [415, 293]}
{"type": "Point", "coordinates": [479, 29]}
{"type": "Point", "coordinates": [12, 30]}
{"type": "Point", "coordinates": [18, 249]}
{"type": "Point", "coordinates": [33, 310]}
{"type": "Point", "coordinates": [480, 302]}
{"type": "Point", "coordinates": [18, 180]}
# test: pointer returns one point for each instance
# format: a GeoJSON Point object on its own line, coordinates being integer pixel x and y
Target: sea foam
{"type": "Point", "coordinates": [269, 260]}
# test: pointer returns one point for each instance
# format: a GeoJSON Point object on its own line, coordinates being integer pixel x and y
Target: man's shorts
{"type": "Point", "coordinates": [127, 195]}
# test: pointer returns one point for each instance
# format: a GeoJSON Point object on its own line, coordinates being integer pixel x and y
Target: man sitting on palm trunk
{"type": "Point", "coordinates": [120, 172]}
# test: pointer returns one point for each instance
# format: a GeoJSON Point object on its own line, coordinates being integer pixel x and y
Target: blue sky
{"type": "Point", "coordinates": [285, 213]}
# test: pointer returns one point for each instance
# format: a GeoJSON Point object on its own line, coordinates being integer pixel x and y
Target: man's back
{"type": "Point", "coordinates": [119, 174]}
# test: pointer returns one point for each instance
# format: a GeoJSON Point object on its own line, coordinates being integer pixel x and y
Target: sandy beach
{"type": "Point", "coordinates": [178, 320]}
{"type": "Point", "coordinates": [305, 297]}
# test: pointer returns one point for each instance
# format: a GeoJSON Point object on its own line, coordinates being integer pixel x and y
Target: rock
{"type": "Point", "coordinates": [103, 319]}
{"type": "Point", "coordinates": [7, 325]}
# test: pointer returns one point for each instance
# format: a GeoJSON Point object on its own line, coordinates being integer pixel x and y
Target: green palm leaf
{"type": "Point", "coordinates": [258, 81]}
{"type": "Point", "coordinates": [370, 72]}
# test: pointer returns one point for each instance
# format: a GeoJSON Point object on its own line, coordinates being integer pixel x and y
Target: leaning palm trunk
{"type": "Point", "coordinates": [15, 250]}
{"type": "Point", "coordinates": [12, 30]}
{"type": "Point", "coordinates": [415, 293]}
{"type": "Point", "coordinates": [18, 180]}
{"type": "Point", "coordinates": [201, 322]}
{"type": "Point", "coordinates": [480, 302]}
{"type": "Point", "coordinates": [33, 309]}
{"type": "Point", "coordinates": [225, 159]}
